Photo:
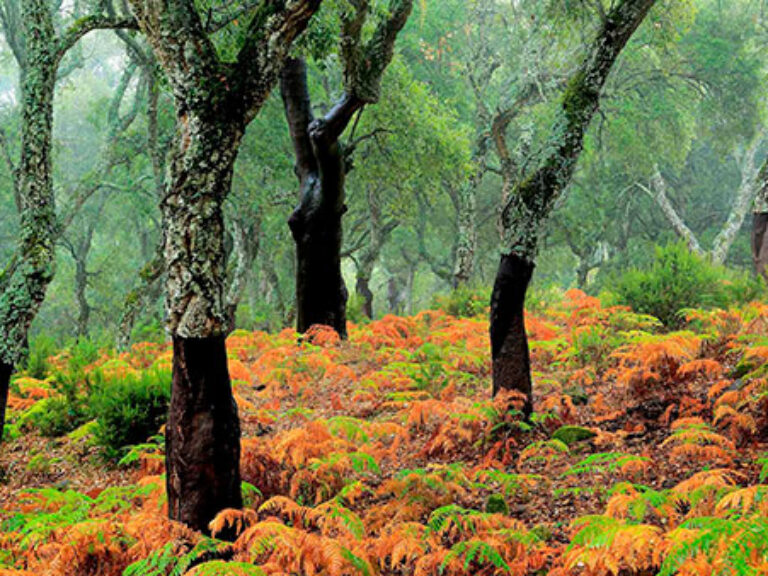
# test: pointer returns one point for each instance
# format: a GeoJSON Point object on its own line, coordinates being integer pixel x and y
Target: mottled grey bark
{"type": "Point", "coordinates": [38, 50]}
{"type": "Point", "coordinates": [466, 239]}
{"type": "Point", "coordinates": [659, 193]}
{"type": "Point", "coordinates": [322, 161]}
{"type": "Point", "coordinates": [215, 100]}
{"type": "Point", "coordinates": [532, 200]}
{"type": "Point", "coordinates": [743, 200]}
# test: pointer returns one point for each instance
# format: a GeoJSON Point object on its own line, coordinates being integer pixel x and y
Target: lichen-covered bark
{"type": "Point", "coordinates": [466, 238]}
{"type": "Point", "coordinates": [24, 289]}
{"type": "Point", "coordinates": [193, 221]}
{"type": "Point", "coordinates": [532, 200]}
{"type": "Point", "coordinates": [215, 100]}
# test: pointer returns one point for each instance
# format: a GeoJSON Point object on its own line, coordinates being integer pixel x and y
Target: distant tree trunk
{"type": "Point", "coordinates": [532, 200]}
{"type": "Point", "coordinates": [393, 296]}
{"type": "Point", "coordinates": [137, 299]}
{"type": "Point", "coordinates": [83, 306]}
{"type": "Point", "coordinates": [245, 247]}
{"type": "Point", "coordinates": [363, 289]}
{"type": "Point", "coordinates": [379, 232]}
{"type": "Point", "coordinates": [321, 296]}
{"type": "Point", "coordinates": [745, 196]}
{"type": "Point", "coordinates": [466, 241]}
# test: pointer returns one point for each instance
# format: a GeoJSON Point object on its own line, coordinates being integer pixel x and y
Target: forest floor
{"type": "Point", "coordinates": [647, 454]}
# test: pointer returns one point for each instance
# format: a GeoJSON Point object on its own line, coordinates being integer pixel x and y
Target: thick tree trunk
{"type": "Point", "coordinates": [321, 295]}
{"type": "Point", "coordinates": [509, 341]}
{"type": "Point", "coordinates": [760, 243]}
{"type": "Point", "coordinates": [203, 434]}
{"type": "Point", "coordinates": [6, 370]}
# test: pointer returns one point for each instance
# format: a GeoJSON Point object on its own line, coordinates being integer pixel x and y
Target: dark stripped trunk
{"type": "Point", "coordinates": [760, 243]}
{"type": "Point", "coordinates": [509, 341]}
{"type": "Point", "coordinates": [203, 434]}
{"type": "Point", "coordinates": [6, 370]}
{"type": "Point", "coordinates": [321, 295]}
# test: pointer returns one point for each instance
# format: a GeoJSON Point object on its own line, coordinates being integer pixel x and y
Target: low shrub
{"type": "Point", "coordinates": [677, 280]}
{"type": "Point", "coordinates": [463, 302]}
{"type": "Point", "coordinates": [129, 409]}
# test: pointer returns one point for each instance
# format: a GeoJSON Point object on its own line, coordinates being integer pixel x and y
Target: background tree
{"type": "Point", "coordinates": [322, 161]}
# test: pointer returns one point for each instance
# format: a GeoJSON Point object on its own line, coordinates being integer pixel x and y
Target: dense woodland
{"type": "Point", "coordinates": [340, 287]}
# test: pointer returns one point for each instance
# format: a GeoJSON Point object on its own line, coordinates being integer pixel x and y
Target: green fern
{"type": "Point", "coordinates": [475, 552]}
{"type": "Point", "coordinates": [745, 541]}
{"type": "Point", "coordinates": [603, 462]}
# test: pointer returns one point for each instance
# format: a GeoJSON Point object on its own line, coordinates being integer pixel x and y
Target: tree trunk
{"type": "Point", "coordinates": [529, 205]}
{"type": "Point", "coordinates": [509, 341]}
{"type": "Point", "coordinates": [393, 295]}
{"type": "Point", "coordinates": [81, 289]}
{"type": "Point", "coordinates": [203, 434]}
{"type": "Point", "coordinates": [6, 370]}
{"type": "Point", "coordinates": [28, 278]}
{"type": "Point", "coordinates": [138, 298]}
{"type": "Point", "coordinates": [466, 241]}
{"type": "Point", "coordinates": [321, 296]}
{"type": "Point", "coordinates": [760, 243]}
{"type": "Point", "coordinates": [363, 289]}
